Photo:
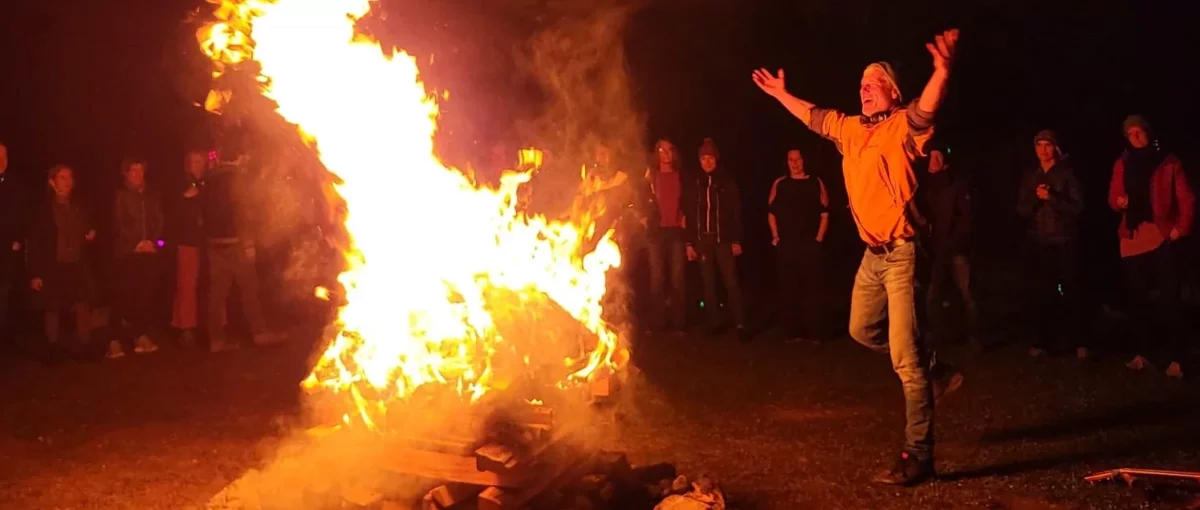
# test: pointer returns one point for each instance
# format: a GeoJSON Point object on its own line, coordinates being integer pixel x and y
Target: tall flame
{"type": "Point", "coordinates": [428, 247]}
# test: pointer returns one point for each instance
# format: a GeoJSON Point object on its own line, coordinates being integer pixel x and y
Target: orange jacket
{"type": "Point", "coordinates": [877, 164]}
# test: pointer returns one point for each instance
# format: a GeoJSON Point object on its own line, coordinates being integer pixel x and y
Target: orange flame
{"type": "Point", "coordinates": [427, 246]}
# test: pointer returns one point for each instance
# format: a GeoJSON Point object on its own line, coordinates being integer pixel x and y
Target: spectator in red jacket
{"type": "Point", "coordinates": [1156, 203]}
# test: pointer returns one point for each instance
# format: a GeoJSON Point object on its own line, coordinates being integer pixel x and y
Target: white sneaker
{"type": "Point", "coordinates": [114, 350]}
{"type": "Point", "coordinates": [1138, 363]}
{"type": "Point", "coordinates": [143, 345]}
{"type": "Point", "coordinates": [1174, 370]}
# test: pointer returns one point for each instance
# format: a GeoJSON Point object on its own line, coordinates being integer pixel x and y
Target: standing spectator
{"type": "Point", "coordinates": [878, 149]}
{"type": "Point", "coordinates": [188, 234]}
{"type": "Point", "coordinates": [946, 200]}
{"type": "Point", "coordinates": [665, 224]}
{"type": "Point", "coordinates": [137, 230]}
{"type": "Point", "coordinates": [799, 218]}
{"type": "Point", "coordinates": [715, 237]}
{"type": "Point", "coordinates": [1150, 190]}
{"type": "Point", "coordinates": [58, 266]}
{"type": "Point", "coordinates": [11, 236]}
{"type": "Point", "coordinates": [231, 250]}
{"type": "Point", "coordinates": [1050, 199]}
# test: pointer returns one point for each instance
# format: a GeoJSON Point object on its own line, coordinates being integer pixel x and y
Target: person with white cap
{"type": "Point", "coordinates": [878, 149]}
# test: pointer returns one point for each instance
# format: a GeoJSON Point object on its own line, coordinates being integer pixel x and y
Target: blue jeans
{"type": "Point", "coordinates": [884, 290]}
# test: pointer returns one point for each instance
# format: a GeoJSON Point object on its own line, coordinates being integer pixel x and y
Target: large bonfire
{"type": "Point", "coordinates": [435, 262]}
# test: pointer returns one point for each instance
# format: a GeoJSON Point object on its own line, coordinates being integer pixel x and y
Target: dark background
{"type": "Point", "coordinates": [88, 83]}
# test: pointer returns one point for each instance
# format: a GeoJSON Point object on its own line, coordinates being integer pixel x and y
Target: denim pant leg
{"type": "Point", "coordinates": [676, 266]}
{"type": "Point", "coordinates": [868, 306]}
{"type": "Point", "coordinates": [884, 289]}
{"type": "Point", "coordinates": [910, 359]}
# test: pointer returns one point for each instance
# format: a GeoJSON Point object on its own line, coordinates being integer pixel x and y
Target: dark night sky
{"type": "Point", "coordinates": [90, 82]}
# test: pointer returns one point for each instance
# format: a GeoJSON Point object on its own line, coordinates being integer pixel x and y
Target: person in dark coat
{"type": "Point", "coordinates": [714, 225]}
{"type": "Point", "coordinates": [59, 272]}
{"type": "Point", "coordinates": [137, 232]}
{"type": "Point", "coordinates": [187, 234]}
{"type": "Point", "coordinates": [946, 200]}
{"type": "Point", "coordinates": [1050, 200]}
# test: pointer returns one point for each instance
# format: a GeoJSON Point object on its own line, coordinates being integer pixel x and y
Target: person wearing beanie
{"type": "Point", "coordinates": [1050, 200]}
{"type": "Point", "coordinates": [878, 149]}
{"type": "Point", "coordinates": [1151, 192]}
{"type": "Point", "coordinates": [714, 227]}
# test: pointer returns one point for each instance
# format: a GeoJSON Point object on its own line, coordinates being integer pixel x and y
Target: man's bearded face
{"type": "Point", "coordinates": [877, 93]}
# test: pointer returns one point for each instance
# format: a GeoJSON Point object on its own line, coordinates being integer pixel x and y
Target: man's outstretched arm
{"type": "Point", "coordinates": [942, 50]}
{"type": "Point", "coordinates": [773, 85]}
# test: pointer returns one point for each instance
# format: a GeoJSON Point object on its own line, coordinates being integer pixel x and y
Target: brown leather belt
{"type": "Point", "coordinates": [889, 246]}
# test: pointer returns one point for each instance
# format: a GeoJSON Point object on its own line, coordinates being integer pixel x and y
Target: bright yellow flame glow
{"type": "Point", "coordinates": [427, 246]}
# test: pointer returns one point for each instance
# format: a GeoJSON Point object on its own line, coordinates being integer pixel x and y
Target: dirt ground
{"type": "Point", "coordinates": [780, 425]}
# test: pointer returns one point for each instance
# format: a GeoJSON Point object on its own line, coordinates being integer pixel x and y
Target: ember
{"type": "Point", "coordinates": [435, 297]}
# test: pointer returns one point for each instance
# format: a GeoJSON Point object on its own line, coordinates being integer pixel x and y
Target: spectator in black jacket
{"type": "Point", "coordinates": [59, 273]}
{"type": "Point", "coordinates": [1050, 199]}
{"type": "Point", "coordinates": [946, 200]}
{"type": "Point", "coordinates": [714, 224]}
{"type": "Point", "coordinates": [137, 232]}
{"type": "Point", "coordinates": [12, 235]}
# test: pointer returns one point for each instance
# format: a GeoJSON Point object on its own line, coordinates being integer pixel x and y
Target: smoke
{"type": "Point", "coordinates": [577, 57]}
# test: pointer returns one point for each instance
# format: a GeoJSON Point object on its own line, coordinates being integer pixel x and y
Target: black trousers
{"type": "Point", "coordinates": [716, 257]}
{"type": "Point", "coordinates": [1053, 299]}
{"type": "Point", "coordinates": [951, 269]}
{"type": "Point", "coordinates": [1154, 306]}
{"type": "Point", "coordinates": [137, 277]}
{"type": "Point", "coordinates": [800, 274]}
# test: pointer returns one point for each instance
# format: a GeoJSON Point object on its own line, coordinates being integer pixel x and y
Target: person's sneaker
{"type": "Point", "coordinates": [144, 345]}
{"type": "Point", "coordinates": [1175, 370]}
{"type": "Point", "coordinates": [1082, 353]}
{"type": "Point", "coordinates": [945, 379]}
{"type": "Point", "coordinates": [1138, 363]}
{"type": "Point", "coordinates": [907, 471]}
{"type": "Point", "coordinates": [1035, 352]}
{"type": "Point", "coordinates": [269, 339]}
{"type": "Point", "coordinates": [114, 350]}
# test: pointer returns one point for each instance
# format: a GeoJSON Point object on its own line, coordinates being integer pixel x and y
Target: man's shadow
{"type": "Point", "coordinates": [1172, 415]}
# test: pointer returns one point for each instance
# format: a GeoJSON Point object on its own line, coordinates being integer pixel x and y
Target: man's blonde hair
{"type": "Point", "coordinates": [889, 76]}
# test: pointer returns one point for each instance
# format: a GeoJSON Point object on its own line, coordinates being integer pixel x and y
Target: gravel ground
{"type": "Point", "coordinates": [780, 425]}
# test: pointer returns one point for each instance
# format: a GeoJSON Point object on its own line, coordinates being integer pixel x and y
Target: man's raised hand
{"type": "Point", "coordinates": [942, 49]}
{"type": "Point", "coordinates": [773, 85]}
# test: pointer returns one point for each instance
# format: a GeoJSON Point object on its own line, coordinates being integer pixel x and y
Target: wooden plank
{"type": "Point", "coordinates": [452, 494]}
{"type": "Point", "coordinates": [495, 498]}
{"type": "Point", "coordinates": [495, 457]}
{"type": "Point", "coordinates": [448, 467]}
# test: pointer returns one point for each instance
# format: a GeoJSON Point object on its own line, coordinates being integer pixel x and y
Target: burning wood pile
{"type": "Point", "coordinates": [468, 329]}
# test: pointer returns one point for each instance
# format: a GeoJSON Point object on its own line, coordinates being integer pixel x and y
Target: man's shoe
{"type": "Point", "coordinates": [945, 380]}
{"type": "Point", "coordinates": [1082, 353]}
{"type": "Point", "coordinates": [744, 335]}
{"type": "Point", "coordinates": [1036, 352]}
{"type": "Point", "coordinates": [1138, 363]}
{"type": "Point", "coordinates": [907, 471]}
{"type": "Point", "coordinates": [1175, 370]}
{"type": "Point", "coordinates": [114, 350]}
{"type": "Point", "coordinates": [144, 345]}
{"type": "Point", "coordinates": [188, 338]}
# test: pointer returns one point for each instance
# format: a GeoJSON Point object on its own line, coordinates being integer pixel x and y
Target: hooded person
{"type": "Point", "coordinates": [714, 232]}
{"type": "Point", "coordinates": [1151, 192]}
